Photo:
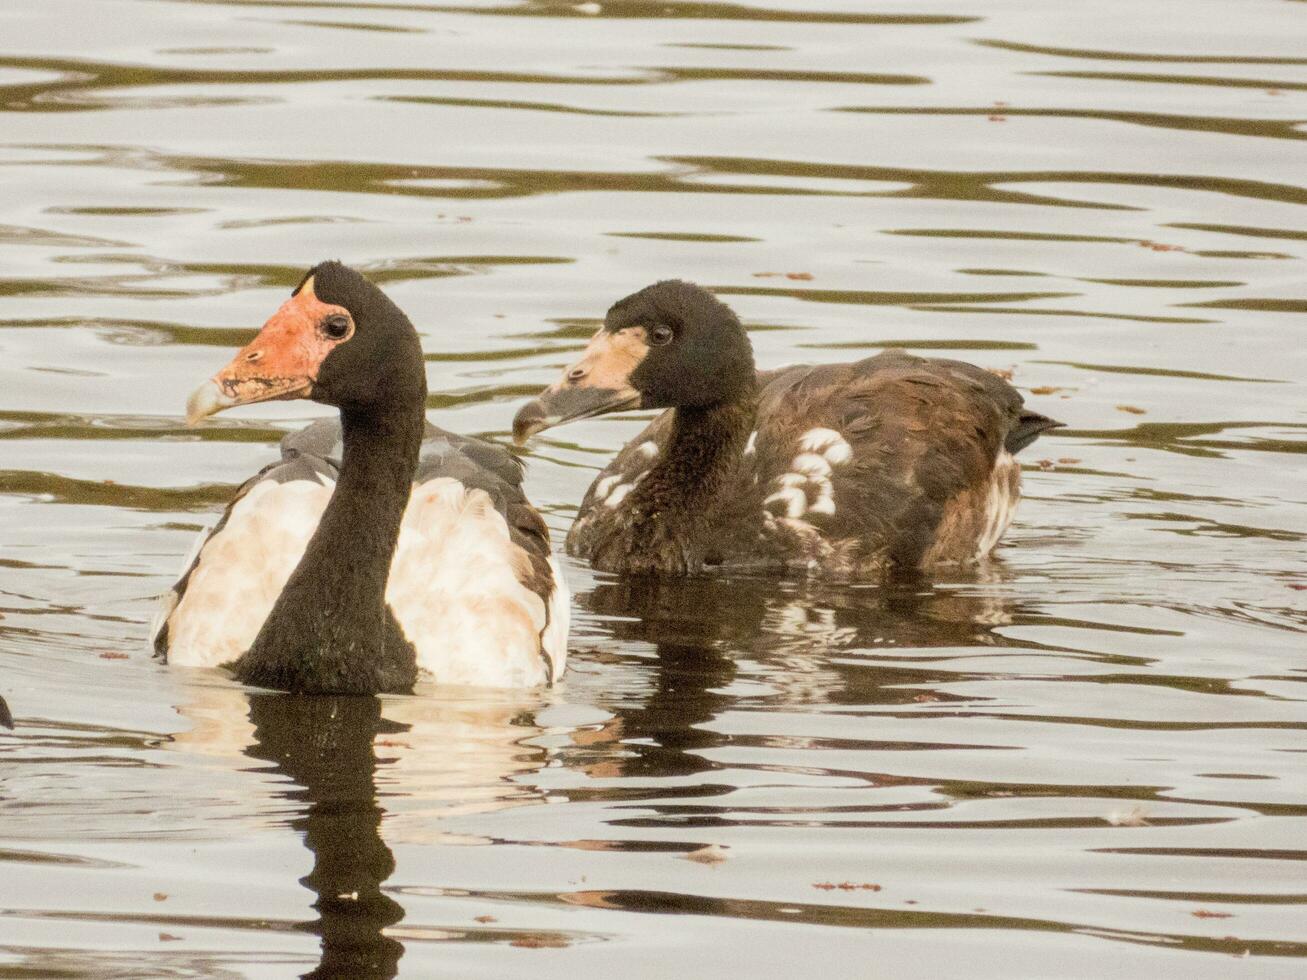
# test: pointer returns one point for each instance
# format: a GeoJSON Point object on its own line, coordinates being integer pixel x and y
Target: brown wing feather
{"type": "Point", "coordinates": [922, 433]}
{"type": "Point", "coordinates": [924, 436]}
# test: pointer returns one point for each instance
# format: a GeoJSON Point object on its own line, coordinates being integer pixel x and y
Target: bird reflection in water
{"type": "Point", "coordinates": [792, 643]}
{"type": "Point", "coordinates": [443, 754]}
{"type": "Point", "coordinates": [325, 745]}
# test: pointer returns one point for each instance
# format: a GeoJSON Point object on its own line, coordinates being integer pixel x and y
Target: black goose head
{"type": "Point", "coordinates": [671, 345]}
{"type": "Point", "coordinates": [338, 340]}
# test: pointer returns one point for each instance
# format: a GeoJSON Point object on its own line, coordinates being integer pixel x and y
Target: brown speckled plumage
{"type": "Point", "coordinates": [894, 462]}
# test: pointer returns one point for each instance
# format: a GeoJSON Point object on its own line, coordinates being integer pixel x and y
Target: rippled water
{"type": "Point", "coordinates": [1087, 760]}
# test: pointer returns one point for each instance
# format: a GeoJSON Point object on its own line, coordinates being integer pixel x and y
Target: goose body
{"type": "Point", "coordinates": [849, 471]}
{"type": "Point", "coordinates": [472, 584]}
{"type": "Point", "coordinates": [377, 550]}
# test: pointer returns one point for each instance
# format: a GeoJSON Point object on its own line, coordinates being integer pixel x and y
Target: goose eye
{"type": "Point", "coordinates": [336, 327]}
{"type": "Point", "coordinates": [660, 335]}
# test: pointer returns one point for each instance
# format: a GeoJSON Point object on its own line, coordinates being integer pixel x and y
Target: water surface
{"type": "Point", "coordinates": [1086, 759]}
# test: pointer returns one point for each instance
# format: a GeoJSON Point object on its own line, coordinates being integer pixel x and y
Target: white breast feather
{"type": "Point", "coordinates": [455, 591]}
{"type": "Point", "coordinates": [453, 585]}
{"type": "Point", "coordinates": [168, 601]}
{"type": "Point", "coordinates": [242, 570]}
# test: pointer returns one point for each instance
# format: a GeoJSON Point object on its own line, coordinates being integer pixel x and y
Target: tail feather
{"type": "Point", "coordinates": [1027, 430]}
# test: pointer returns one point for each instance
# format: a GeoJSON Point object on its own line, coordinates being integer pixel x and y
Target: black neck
{"type": "Point", "coordinates": [330, 630]}
{"type": "Point", "coordinates": [676, 503]}
{"type": "Point", "coordinates": [705, 446]}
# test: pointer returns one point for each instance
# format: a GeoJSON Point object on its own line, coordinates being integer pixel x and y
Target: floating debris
{"type": "Point", "coordinates": [540, 942]}
{"type": "Point", "coordinates": [711, 854]}
{"type": "Point", "coordinates": [1136, 817]}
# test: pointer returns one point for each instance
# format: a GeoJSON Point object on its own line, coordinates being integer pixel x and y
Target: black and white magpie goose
{"type": "Point", "coordinates": [379, 548]}
{"type": "Point", "coordinates": [849, 471]}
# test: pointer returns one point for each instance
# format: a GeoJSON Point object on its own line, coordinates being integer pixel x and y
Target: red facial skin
{"type": "Point", "coordinates": [281, 362]}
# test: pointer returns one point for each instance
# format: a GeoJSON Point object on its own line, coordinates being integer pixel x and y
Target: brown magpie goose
{"type": "Point", "coordinates": [848, 471]}
{"type": "Point", "coordinates": [379, 548]}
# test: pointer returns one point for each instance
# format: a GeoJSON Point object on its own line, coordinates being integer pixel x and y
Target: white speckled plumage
{"type": "Point", "coordinates": [792, 501]}
{"type": "Point", "coordinates": [811, 464]}
{"type": "Point", "coordinates": [816, 440]}
{"type": "Point", "coordinates": [605, 485]}
{"type": "Point", "coordinates": [618, 495]}
{"type": "Point", "coordinates": [824, 504]}
{"type": "Point", "coordinates": [856, 470]}
{"type": "Point", "coordinates": [807, 487]}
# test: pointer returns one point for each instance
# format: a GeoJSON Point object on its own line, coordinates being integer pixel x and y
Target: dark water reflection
{"type": "Point", "coordinates": [325, 745]}
{"type": "Point", "coordinates": [1085, 759]}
